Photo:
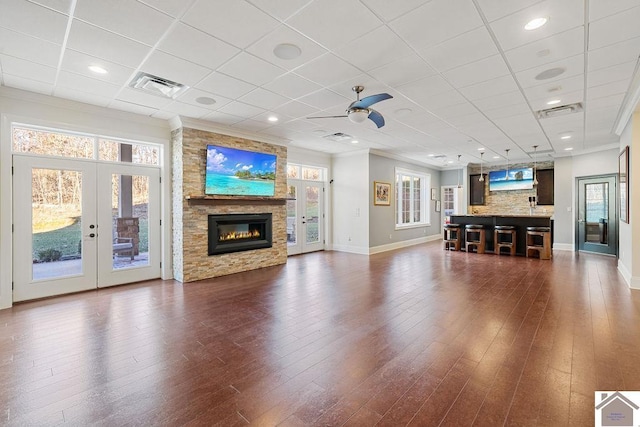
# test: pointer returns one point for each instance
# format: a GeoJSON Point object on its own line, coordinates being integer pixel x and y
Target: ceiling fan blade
{"type": "Point", "coordinates": [376, 118]}
{"type": "Point", "coordinates": [326, 117]}
{"type": "Point", "coordinates": [370, 100]}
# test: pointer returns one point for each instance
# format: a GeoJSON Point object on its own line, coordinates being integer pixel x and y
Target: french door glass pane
{"type": "Point", "coordinates": [130, 224]}
{"type": "Point", "coordinates": [597, 212]}
{"type": "Point", "coordinates": [311, 214]}
{"type": "Point", "coordinates": [56, 228]}
{"type": "Point", "coordinates": [292, 215]}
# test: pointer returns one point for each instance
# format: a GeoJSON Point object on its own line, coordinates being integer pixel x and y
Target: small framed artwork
{"type": "Point", "coordinates": [381, 193]}
{"type": "Point", "coordinates": [623, 170]}
{"type": "Point", "coordinates": [433, 194]}
{"type": "Point", "coordinates": [437, 205]}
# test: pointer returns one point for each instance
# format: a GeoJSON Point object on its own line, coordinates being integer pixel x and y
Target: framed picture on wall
{"type": "Point", "coordinates": [623, 197]}
{"type": "Point", "coordinates": [381, 193]}
{"type": "Point", "coordinates": [433, 194]}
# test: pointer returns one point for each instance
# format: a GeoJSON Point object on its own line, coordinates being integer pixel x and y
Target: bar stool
{"type": "Point", "coordinates": [475, 236]}
{"type": "Point", "coordinates": [452, 236]}
{"type": "Point", "coordinates": [498, 233]}
{"type": "Point", "coordinates": [539, 240]}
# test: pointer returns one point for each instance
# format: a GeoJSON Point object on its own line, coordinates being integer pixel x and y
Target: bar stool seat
{"type": "Point", "coordinates": [474, 238]}
{"type": "Point", "coordinates": [499, 242]}
{"type": "Point", "coordinates": [452, 236]}
{"type": "Point", "coordinates": [539, 241]}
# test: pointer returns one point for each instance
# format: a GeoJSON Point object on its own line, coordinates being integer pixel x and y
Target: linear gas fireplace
{"type": "Point", "coordinates": [239, 232]}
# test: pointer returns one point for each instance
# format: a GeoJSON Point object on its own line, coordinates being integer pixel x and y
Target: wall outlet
{"type": "Point", "coordinates": [390, 236]}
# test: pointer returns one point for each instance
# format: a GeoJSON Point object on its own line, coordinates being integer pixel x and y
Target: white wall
{"type": "Point", "coordinates": [625, 243]}
{"type": "Point", "coordinates": [350, 199]}
{"type": "Point", "coordinates": [36, 109]}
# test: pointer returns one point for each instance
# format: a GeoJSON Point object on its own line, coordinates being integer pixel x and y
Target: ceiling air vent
{"type": "Point", "coordinates": [155, 85]}
{"type": "Point", "coordinates": [559, 111]}
{"type": "Point", "coordinates": [339, 136]}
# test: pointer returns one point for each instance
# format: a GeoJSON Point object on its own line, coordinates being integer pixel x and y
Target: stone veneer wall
{"type": "Point", "coordinates": [514, 202]}
{"type": "Point", "coordinates": [191, 261]}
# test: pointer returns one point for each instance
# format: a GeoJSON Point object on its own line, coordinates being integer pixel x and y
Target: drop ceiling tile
{"type": "Point", "coordinates": [97, 42]}
{"type": "Point", "coordinates": [390, 10]}
{"type": "Point", "coordinates": [325, 98]}
{"type": "Point", "coordinates": [463, 49]}
{"type": "Point", "coordinates": [76, 95]}
{"type": "Point", "coordinates": [78, 63]}
{"type": "Point", "coordinates": [507, 111]}
{"type": "Point", "coordinates": [134, 96]}
{"type": "Point", "coordinates": [477, 72]}
{"type": "Point", "coordinates": [133, 108]}
{"type": "Point", "coordinates": [600, 9]}
{"type": "Point", "coordinates": [380, 46]}
{"type": "Point", "coordinates": [436, 21]}
{"type": "Point", "coordinates": [403, 71]}
{"type": "Point", "coordinates": [251, 69]}
{"type": "Point", "coordinates": [320, 22]}
{"type": "Point", "coordinates": [221, 84]}
{"type": "Point", "coordinates": [489, 88]}
{"type": "Point", "coordinates": [422, 90]}
{"type": "Point", "coordinates": [612, 74]}
{"type": "Point", "coordinates": [548, 50]}
{"type": "Point", "coordinates": [556, 88]}
{"type": "Point", "coordinates": [62, 6]}
{"type": "Point", "coordinates": [563, 16]}
{"type": "Point", "coordinates": [178, 70]}
{"type": "Point", "coordinates": [280, 9]}
{"type": "Point", "coordinates": [264, 99]}
{"type": "Point", "coordinates": [222, 118]}
{"type": "Point", "coordinates": [264, 118]}
{"type": "Point", "coordinates": [124, 17]}
{"type": "Point", "coordinates": [573, 66]}
{"type": "Point", "coordinates": [86, 84]}
{"type": "Point", "coordinates": [37, 21]}
{"type": "Point", "coordinates": [327, 70]}
{"type": "Point", "coordinates": [252, 125]}
{"type": "Point", "coordinates": [19, 82]}
{"type": "Point", "coordinates": [302, 125]}
{"type": "Point", "coordinates": [612, 102]}
{"type": "Point", "coordinates": [446, 99]}
{"type": "Point", "coordinates": [296, 109]}
{"type": "Point", "coordinates": [170, 7]}
{"type": "Point", "coordinates": [614, 29]}
{"type": "Point", "coordinates": [628, 50]}
{"type": "Point", "coordinates": [503, 100]}
{"type": "Point", "coordinates": [27, 69]}
{"type": "Point", "coordinates": [29, 48]}
{"type": "Point", "coordinates": [186, 110]}
{"type": "Point", "coordinates": [241, 109]}
{"type": "Point", "coordinates": [565, 99]}
{"type": "Point", "coordinates": [456, 110]}
{"type": "Point", "coordinates": [241, 24]}
{"type": "Point", "coordinates": [613, 88]}
{"type": "Point", "coordinates": [164, 115]}
{"type": "Point", "coordinates": [285, 35]}
{"type": "Point", "coordinates": [196, 46]}
{"type": "Point", "coordinates": [495, 9]}
{"type": "Point", "coordinates": [191, 95]}
{"type": "Point", "coordinates": [292, 86]}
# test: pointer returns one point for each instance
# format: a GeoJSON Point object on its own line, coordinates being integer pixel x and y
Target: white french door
{"type": "Point", "coordinates": [81, 225]}
{"type": "Point", "coordinates": [305, 216]}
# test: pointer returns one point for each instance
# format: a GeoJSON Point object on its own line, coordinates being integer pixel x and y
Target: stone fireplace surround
{"type": "Point", "coordinates": [191, 209]}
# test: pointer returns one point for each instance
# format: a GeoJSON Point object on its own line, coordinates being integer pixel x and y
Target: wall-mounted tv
{"type": "Point", "coordinates": [231, 171]}
{"type": "Point", "coordinates": [514, 179]}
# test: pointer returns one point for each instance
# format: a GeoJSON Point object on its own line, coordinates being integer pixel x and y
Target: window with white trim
{"type": "Point", "coordinates": [412, 188]}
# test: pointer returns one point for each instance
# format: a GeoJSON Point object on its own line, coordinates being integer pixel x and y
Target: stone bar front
{"type": "Point", "coordinates": [520, 222]}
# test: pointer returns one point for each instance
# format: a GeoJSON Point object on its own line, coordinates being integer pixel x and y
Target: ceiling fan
{"type": "Point", "coordinates": [358, 111]}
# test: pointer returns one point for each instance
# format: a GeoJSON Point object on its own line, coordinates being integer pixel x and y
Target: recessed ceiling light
{"type": "Point", "coordinates": [535, 23]}
{"type": "Point", "coordinates": [450, 161]}
{"type": "Point", "coordinates": [543, 53]}
{"type": "Point", "coordinates": [287, 51]}
{"type": "Point", "coordinates": [354, 141]}
{"type": "Point", "coordinates": [320, 132]}
{"type": "Point", "coordinates": [553, 102]}
{"type": "Point", "coordinates": [568, 149]}
{"type": "Point", "coordinates": [97, 69]}
{"type": "Point", "coordinates": [550, 73]}
{"type": "Point", "coordinates": [430, 155]}
{"type": "Point", "coordinates": [496, 157]}
{"type": "Point", "coordinates": [205, 100]}
{"type": "Point", "coordinates": [565, 137]}
{"type": "Point", "coordinates": [272, 119]}
{"type": "Point", "coordinates": [554, 89]}
{"type": "Point", "coordinates": [481, 149]}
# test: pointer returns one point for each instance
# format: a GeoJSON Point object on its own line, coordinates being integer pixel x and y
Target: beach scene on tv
{"type": "Point", "coordinates": [513, 179]}
{"type": "Point", "coordinates": [239, 173]}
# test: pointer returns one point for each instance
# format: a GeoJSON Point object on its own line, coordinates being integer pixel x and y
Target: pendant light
{"type": "Point", "coordinates": [535, 165]}
{"type": "Point", "coordinates": [459, 171]}
{"type": "Point", "coordinates": [481, 179]}
{"type": "Point", "coordinates": [507, 150]}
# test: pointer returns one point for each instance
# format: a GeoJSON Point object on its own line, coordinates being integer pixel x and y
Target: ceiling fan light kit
{"type": "Point", "coordinates": [358, 111]}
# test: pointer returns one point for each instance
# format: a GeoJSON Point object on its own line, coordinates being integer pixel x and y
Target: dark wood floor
{"type": "Point", "coordinates": [417, 336]}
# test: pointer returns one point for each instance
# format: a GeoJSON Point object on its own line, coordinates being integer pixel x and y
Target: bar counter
{"type": "Point", "coordinates": [520, 222]}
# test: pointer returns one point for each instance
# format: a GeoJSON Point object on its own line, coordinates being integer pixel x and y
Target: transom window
{"type": "Point", "coordinates": [308, 173]}
{"type": "Point", "coordinates": [411, 198]}
{"type": "Point", "coordinates": [49, 142]}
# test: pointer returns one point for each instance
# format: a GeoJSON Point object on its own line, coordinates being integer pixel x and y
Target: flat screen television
{"type": "Point", "coordinates": [514, 179]}
{"type": "Point", "coordinates": [231, 171]}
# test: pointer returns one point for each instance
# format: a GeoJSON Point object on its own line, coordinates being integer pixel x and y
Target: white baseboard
{"type": "Point", "coordinates": [403, 244]}
{"type": "Point", "coordinates": [626, 274]}
{"type": "Point", "coordinates": [350, 249]}
{"type": "Point", "coordinates": [563, 247]}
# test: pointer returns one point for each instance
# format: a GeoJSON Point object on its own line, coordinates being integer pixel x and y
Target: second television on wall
{"type": "Point", "coordinates": [231, 171]}
{"type": "Point", "coordinates": [512, 179]}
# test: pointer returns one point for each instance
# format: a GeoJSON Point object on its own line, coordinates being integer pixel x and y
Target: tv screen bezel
{"type": "Point", "coordinates": [225, 150]}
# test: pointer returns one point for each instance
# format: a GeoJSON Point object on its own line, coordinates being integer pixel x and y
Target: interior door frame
{"type": "Point", "coordinates": [612, 224]}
